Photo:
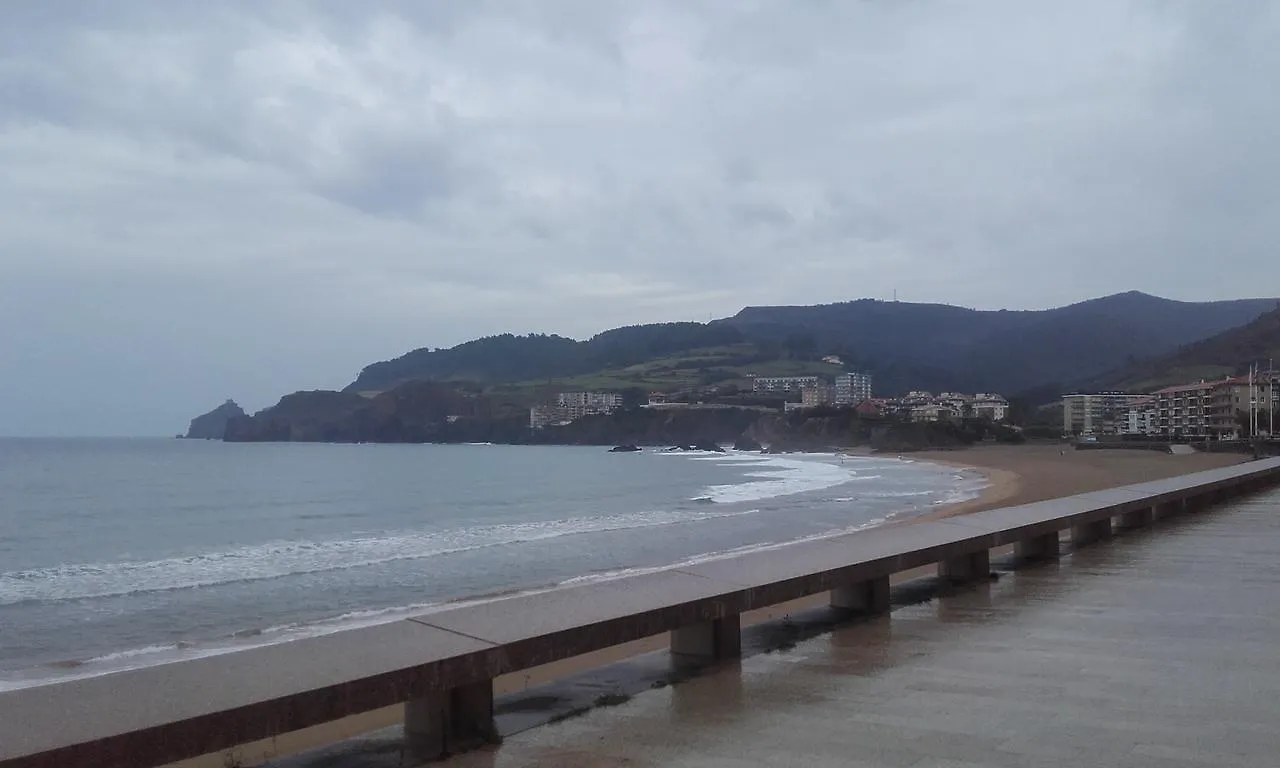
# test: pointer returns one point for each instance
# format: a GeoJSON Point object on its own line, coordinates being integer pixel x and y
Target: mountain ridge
{"type": "Point", "coordinates": [903, 345]}
{"type": "Point", "coordinates": [1223, 354]}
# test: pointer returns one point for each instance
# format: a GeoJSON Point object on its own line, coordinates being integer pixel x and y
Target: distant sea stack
{"type": "Point", "coordinates": [213, 425]}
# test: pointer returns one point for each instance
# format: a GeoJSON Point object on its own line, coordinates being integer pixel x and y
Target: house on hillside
{"type": "Point", "coordinates": [870, 408]}
{"type": "Point", "coordinates": [782, 384]}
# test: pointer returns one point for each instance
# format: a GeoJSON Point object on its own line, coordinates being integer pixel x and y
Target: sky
{"type": "Point", "coordinates": [242, 199]}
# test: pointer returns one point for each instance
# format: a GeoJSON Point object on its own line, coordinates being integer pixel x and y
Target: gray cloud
{"type": "Point", "coordinates": [203, 200]}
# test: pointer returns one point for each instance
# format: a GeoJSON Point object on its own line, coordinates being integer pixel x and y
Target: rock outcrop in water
{"type": "Point", "coordinates": [213, 425]}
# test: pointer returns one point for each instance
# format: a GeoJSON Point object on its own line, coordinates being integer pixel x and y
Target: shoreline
{"type": "Point", "coordinates": [246, 638]}
{"type": "Point", "coordinates": [1014, 475]}
{"type": "Point", "coordinates": [1000, 485]}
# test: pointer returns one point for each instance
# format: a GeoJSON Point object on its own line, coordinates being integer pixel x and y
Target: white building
{"type": "Point", "coordinates": [571, 406]}
{"type": "Point", "coordinates": [605, 401]}
{"type": "Point", "coordinates": [989, 406]}
{"type": "Point", "coordinates": [1141, 418]}
{"type": "Point", "coordinates": [931, 412]}
{"type": "Point", "coordinates": [1097, 413]}
{"type": "Point", "coordinates": [852, 388]}
{"type": "Point", "coordinates": [778, 384]}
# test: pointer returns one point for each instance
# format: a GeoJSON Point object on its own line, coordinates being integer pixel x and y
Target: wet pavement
{"type": "Point", "coordinates": [1157, 648]}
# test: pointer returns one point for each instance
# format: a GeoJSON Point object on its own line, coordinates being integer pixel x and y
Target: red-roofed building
{"type": "Point", "coordinates": [872, 408]}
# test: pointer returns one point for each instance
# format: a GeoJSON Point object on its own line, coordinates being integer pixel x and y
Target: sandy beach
{"type": "Point", "coordinates": [1016, 475]}
{"type": "Point", "coordinates": [1022, 474]}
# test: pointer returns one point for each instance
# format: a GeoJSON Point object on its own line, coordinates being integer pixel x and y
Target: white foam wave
{"type": "Point", "coordinates": [779, 477]}
{"type": "Point", "coordinates": [723, 554]}
{"type": "Point", "coordinates": [959, 496]}
{"type": "Point", "coordinates": [287, 558]}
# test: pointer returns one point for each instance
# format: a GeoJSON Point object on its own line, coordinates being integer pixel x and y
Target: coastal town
{"type": "Point", "coordinates": [849, 390]}
{"type": "Point", "coordinates": [1230, 408]}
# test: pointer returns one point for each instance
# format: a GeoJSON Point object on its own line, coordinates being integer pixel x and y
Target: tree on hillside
{"type": "Point", "coordinates": [801, 345]}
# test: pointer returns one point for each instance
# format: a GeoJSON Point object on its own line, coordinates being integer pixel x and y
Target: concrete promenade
{"type": "Point", "coordinates": [1153, 650]}
{"type": "Point", "coordinates": [443, 664]}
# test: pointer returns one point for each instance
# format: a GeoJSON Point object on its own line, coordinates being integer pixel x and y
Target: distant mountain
{"type": "Point", "coordinates": [931, 346]}
{"type": "Point", "coordinates": [904, 346]}
{"type": "Point", "coordinates": [1224, 354]}
{"type": "Point", "coordinates": [508, 358]}
{"type": "Point", "coordinates": [482, 390]}
{"type": "Point", "coordinates": [212, 425]}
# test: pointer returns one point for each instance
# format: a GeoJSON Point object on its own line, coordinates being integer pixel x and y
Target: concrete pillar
{"type": "Point", "coordinates": [444, 723]}
{"type": "Point", "coordinates": [1168, 509]}
{"type": "Point", "coordinates": [870, 596]}
{"type": "Point", "coordinates": [709, 640]}
{"type": "Point", "coordinates": [1043, 547]}
{"type": "Point", "coordinates": [1139, 518]}
{"type": "Point", "coordinates": [966, 567]}
{"type": "Point", "coordinates": [1087, 533]}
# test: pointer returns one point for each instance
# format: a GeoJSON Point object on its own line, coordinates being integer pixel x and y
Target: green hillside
{"type": "Point", "coordinates": [903, 346]}
{"type": "Point", "coordinates": [1225, 354]}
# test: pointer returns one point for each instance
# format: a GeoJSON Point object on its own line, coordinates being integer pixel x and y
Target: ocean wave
{"type": "Point", "coordinates": [288, 558]}
{"type": "Point", "coordinates": [779, 477]}
{"type": "Point", "coordinates": [250, 638]}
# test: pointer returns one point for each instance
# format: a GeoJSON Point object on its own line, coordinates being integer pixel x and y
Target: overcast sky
{"type": "Point", "coordinates": [241, 199]}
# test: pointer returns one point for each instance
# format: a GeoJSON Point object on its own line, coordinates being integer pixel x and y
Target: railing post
{"type": "Point", "coordinates": [1139, 518]}
{"type": "Point", "coordinates": [963, 568]}
{"type": "Point", "coordinates": [869, 597]}
{"type": "Point", "coordinates": [448, 722]}
{"type": "Point", "coordinates": [709, 640]}
{"type": "Point", "coordinates": [1088, 533]}
{"type": "Point", "coordinates": [1042, 547]}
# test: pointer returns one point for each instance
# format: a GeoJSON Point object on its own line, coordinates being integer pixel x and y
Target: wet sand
{"type": "Point", "coordinates": [1016, 475]}
{"type": "Point", "coordinates": [1022, 474]}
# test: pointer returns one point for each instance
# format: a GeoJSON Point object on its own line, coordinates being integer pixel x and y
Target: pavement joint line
{"type": "Point", "coordinates": [454, 632]}
{"type": "Point", "coordinates": [737, 584]}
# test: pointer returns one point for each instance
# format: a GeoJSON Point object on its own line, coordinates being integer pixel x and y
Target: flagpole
{"type": "Point", "coordinates": [1250, 423]}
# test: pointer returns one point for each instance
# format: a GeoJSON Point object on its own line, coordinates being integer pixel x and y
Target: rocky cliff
{"type": "Point", "coordinates": [213, 425]}
{"type": "Point", "coordinates": [428, 412]}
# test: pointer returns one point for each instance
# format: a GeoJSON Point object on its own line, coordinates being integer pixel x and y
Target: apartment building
{"type": "Point", "coordinates": [1184, 411]}
{"type": "Point", "coordinates": [986, 405]}
{"type": "Point", "coordinates": [932, 412]}
{"type": "Point", "coordinates": [852, 388]}
{"type": "Point", "coordinates": [812, 397]}
{"type": "Point", "coordinates": [1236, 397]}
{"type": "Point", "coordinates": [571, 406]}
{"type": "Point", "coordinates": [1141, 418]}
{"type": "Point", "coordinates": [782, 384]}
{"type": "Point", "coordinates": [605, 401]}
{"type": "Point", "coordinates": [1097, 413]}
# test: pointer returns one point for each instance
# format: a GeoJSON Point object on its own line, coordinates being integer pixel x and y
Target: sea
{"type": "Point", "coordinates": [120, 553]}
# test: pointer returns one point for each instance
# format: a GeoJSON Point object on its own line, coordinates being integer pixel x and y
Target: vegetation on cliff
{"type": "Point", "coordinates": [510, 358]}
{"type": "Point", "coordinates": [429, 412]}
{"type": "Point", "coordinates": [481, 391]}
{"type": "Point", "coordinates": [904, 346]}
{"type": "Point", "coordinates": [213, 425]}
{"type": "Point", "coordinates": [1225, 354]}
